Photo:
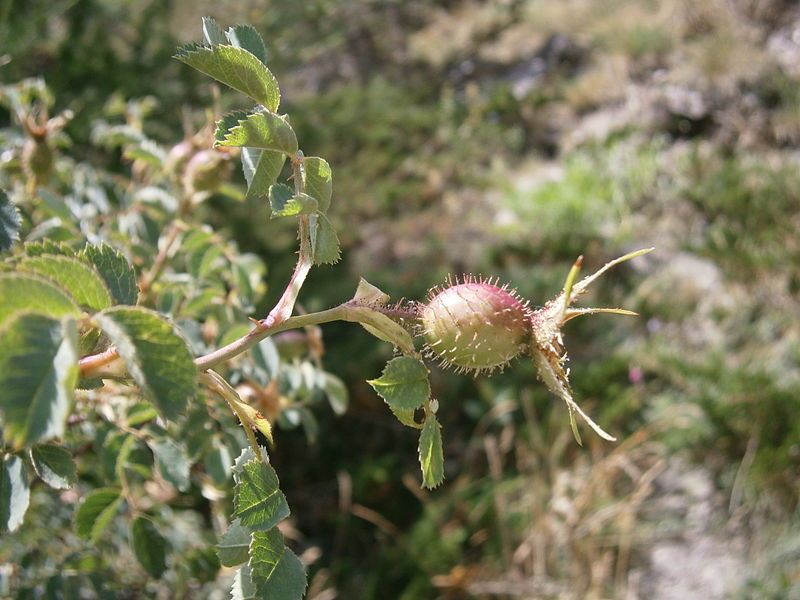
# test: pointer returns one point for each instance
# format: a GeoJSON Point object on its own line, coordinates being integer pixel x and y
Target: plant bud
{"type": "Point", "coordinates": [476, 325]}
{"type": "Point", "coordinates": [206, 171]}
{"type": "Point", "coordinates": [37, 158]}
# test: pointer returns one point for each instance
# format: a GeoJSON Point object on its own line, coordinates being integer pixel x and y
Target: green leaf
{"type": "Point", "coordinates": [285, 203]}
{"type": "Point", "coordinates": [318, 181]}
{"type": "Point", "coordinates": [14, 493]}
{"type": "Point", "coordinates": [325, 242]}
{"type": "Point", "coordinates": [404, 383]}
{"type": "Point", "coordinates": [172, 460]}
{"type": "Point", "coordinates": [234, 545]}
{"type": "Point", "coordinates": [157, 357]}
{"type": "Point", "coordinates": [236, 68]}
{"type": "Point", "coordinates": [76, 277]}
{"type": "Point", "coordinates": [47, 246]}
{"type": "Point", "coordinates": [337, 394]}
{"type": "Point", "coordinates": [10, 222]}
{"type": "Point", "coordinates": [149, 546]}
{"type": "Point", "coordinates": [243, 587]}
{"type": "Point", "coordinates": [21, 292]}
{"type": "Point", "coordinates": [228, 122]}
{"type": "Point", "coordinates": [263, 130]}
{"type": "Point", "coordinates": [263, 167]}
{"type": "Point", "coordinates": [246, 36]}
{"type": "Point", "coordinates": [38, 373]}
{"type": "Point", "coordinates": [54, 465]}
{"type": "Point", "coordinates": [431, 458]}
{"type": "Point", "coordinates": [95, 513]}
{"type": "Point", "coordinates": [116, 271]}
{"type": "Point", "coordinates": [275, 570]}
{"type": "Point", "coordinates": [258, 500]}
{"type": "Point", "coordinates": [212, 32]}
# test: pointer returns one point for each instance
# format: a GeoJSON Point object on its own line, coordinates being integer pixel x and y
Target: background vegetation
{"type": "Point", "coordinates": [505, 138]}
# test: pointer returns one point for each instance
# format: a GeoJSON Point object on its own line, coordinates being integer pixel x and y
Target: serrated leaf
{"type": "Point", "coordinates": [275, 570]}
{"type": "Point", "coordinates": [212, 32]}
{"type": "Point", "coordinates": [243, 587]}
{"type": "Point", "coordinates": [38, 373]}
{"type": "Point", "coordinates": [117, 273]}
{"type": "Point", "coordinates": [74, 276]}
{"type": "Point", "coordinates": [246, 36]}
{"type": "Point", "coordinates": [228, 122]}
{"type": "Point", "coordinates": [23, 292]}
{"type": "Point", "coordinates": [264, 167]}
{"type": "Point", "coordinates": [10, 222]}
{"type": "Point", "coordinates": [264, 130]}
{"type": "Point", "coordinates": [325, 242]}
{"type": "Point", "coordinates": [318, 181]}
{"type": "Point", "coordinates": [284, 202]}
{"type": "Point", "coordinates": [47, 246]}
{"type": "Point", "coordinates": [431, 458]}
{"type": "Point", "coordinates": [149, 546]}
{"type": "Point", "coordinates": [237, 68]}
{"type": "Point", "coordinates": [96, 511]}
{"type": "Point", "coordinates": [258, 500]}
{"type": "Point", "coordinates": [404, 383]}
{"type": "Point", "coordinates": [14, 493]}
{"type": "Point", "coordinates": [172, 461]}
{"type": "Point", "coordinates": [234, 545]}
{"type": "Point", "coordinates": [156, 356]}
{"type": "Point", "coordinates": [54, 465]}
{"type": "Point", "coordinates": [337, 394]}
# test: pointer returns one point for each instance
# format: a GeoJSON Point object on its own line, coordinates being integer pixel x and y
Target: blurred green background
{"type": "Point", "coordinates": [507, 137]}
